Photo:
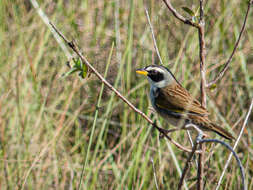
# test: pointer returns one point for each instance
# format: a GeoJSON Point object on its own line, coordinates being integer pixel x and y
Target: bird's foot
{"type": "Point", "coordinates": [166, 131]}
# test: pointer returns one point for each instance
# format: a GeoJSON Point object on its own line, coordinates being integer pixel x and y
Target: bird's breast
{"type": "Point", "coordinates": [173, 119]}
{"type": "Point", "coordinates": [153, 94]}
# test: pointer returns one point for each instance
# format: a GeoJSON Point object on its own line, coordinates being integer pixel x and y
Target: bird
{"type": "Point", "coordinates": [175, 104]}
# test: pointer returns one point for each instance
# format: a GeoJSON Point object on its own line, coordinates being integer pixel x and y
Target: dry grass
{"type": "Point", "coordinates": [46, 121]}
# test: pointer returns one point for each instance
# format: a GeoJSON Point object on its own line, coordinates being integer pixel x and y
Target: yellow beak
{"type": "Point", "coordinates": [142, 72]}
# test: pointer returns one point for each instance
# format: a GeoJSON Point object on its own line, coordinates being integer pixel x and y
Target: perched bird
{"type": "Point", "coordinates": [174, 103]}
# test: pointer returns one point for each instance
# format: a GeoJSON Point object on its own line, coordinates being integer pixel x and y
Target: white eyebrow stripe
{"type": "Point", "coordinates": [155, 68]}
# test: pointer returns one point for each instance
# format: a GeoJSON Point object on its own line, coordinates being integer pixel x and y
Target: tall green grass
{"type": "Point", "coordinates": [53, 128]}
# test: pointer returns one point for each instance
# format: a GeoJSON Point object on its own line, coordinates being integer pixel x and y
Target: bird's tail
{"type": "Point", "coordinates": [222, 132]}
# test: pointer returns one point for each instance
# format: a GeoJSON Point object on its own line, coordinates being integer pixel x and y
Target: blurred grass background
{"type": "Point", "coordinates": [47, 122]}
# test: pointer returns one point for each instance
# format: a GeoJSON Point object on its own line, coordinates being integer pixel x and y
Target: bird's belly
{"type": "Point", "coordinates": [177, 122]}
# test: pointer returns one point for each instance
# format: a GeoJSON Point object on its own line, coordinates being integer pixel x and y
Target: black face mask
{"type": "Point", "coordinates": [155, 76]}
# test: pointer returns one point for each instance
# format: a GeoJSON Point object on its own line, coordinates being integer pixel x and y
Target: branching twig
{"type": "Point", "coordinates": [220, 75]}
{"type": "Point", "coordinates": [236, 143]}
{"type": "Point", "coordinates": [178, 16]}
{"type": "Point", "coordinates": [203, 84]}
{"type": "Point", "coordinates": [73, 46]}
{"type": "Point", "coordinates": [153, 37]}
{"type": "Point", "coordinates": [201, 141]}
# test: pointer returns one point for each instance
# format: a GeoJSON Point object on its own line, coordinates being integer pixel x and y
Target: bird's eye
{"type": "Point", "coordinates": [155, 75]}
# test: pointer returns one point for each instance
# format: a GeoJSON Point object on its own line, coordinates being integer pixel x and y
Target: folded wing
{"type": "Point", "coordinates": [175, 98]}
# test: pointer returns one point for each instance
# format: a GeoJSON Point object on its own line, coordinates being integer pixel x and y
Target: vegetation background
{"type": "Point", "coordinates": [47, 121]}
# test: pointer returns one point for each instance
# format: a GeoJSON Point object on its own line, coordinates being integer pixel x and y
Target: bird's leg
{"type": "Point", "coordinates": [201, 134]}
{"type": "Point", "coordinates": [170, 130]}
{"type": "Point", "coordinates": [167, 131]}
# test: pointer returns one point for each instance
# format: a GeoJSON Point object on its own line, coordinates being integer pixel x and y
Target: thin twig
{"type": "Point", "coordinates": [236, 143]}
{"type": "Point", "coordinates": [176, 164]}
{"type": "Point", "coordinates": [153, 36]}
{"type": "Point", "coordinates": [220, 75]}
{"type": "Point", "coordinates": [179, 16]}
{"type": "Point", "coordinates": [187, 165]}
{"type": "Point", "coordinates": [73, 46]}
{"type": "Point", "coordinates": [202, 52]}
{"type": "Point", "coordinates": [194, 148]}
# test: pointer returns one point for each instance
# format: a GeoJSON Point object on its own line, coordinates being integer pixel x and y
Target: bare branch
{"type": "Point", "coordinates": [202, 64]}
{"type": "Point", "coordinates": [153, 36]}
{"type": "Point", "coordinates": [179, 16]}
{"type": "Point", "coordinates": [220, 75]}
{"type": "Point", "coordinates": [202, 54]}
{"type": "Point", "coordinates": [73, 46]}
{"type": "Point", "coordinates": [236, 143]}
{"type": "Point", "coordinates": [187, 165]}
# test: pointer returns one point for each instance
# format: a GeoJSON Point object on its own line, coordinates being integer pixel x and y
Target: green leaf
{"type": "Point", "coordinates": [78, 64]}
{"type": "Point", "coordinates": [213, 86]}
{"type": "Point", "coordinates": [188, 10]}
{"type": "Point", "coordinates": [84, 71]}
{"type": "Point", "coordinates": [71, 71]}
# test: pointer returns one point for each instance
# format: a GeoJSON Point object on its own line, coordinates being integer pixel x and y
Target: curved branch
{"type": "Point", "coordinates": [220, 75]}
{"type": "Point", "coordinates": [201, 141]}
{"type": "Point", "coordinates": [234, 154]}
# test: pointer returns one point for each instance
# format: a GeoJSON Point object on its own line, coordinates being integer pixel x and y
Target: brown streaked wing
{"type": "Point", "coordinates": [178, 98]}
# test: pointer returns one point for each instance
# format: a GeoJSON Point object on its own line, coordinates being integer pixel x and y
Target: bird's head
{"type": "Point", "coordinates": [157, 75]}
